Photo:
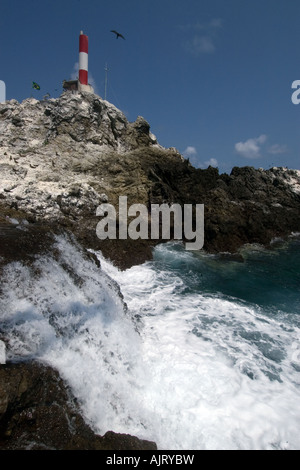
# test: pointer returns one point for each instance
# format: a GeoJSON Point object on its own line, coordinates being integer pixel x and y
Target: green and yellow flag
{"type": "Point", "coordinates": [36, 86]}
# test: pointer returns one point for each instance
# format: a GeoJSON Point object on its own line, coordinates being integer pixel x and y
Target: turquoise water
{"type": "Point", "coordinates": [269, 278]}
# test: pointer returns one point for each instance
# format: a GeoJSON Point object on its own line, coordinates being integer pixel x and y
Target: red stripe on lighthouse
{"type": "Point", "coordinates": [83, 43]}
{"type": "Point", "coordinates": [83, 58]}
{"type": "Point", "coordinates": [83, 77]}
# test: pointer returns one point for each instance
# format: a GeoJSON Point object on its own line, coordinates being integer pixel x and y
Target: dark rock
{"type": "Point", "coordinates": [22, 242]}
{"type": "Point", "coordinates": [114, 441]}
{"type": "Point", "coordinates": [38, 412]}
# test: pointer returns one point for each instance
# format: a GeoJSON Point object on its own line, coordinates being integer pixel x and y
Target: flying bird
{"type": "Point", "coordinates": [118, 35]}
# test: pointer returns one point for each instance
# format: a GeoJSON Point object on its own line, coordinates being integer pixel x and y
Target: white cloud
{"type": "Point", "coordinates": [189, 151]}
{"type": "Point", "coordinates": [212, 162]}
{"type": "Point", "coordinates": [93, 83]}
{"type": "Point", "coordinates": [251, 148]}
{"type": "Point", "coordinates": [204, 36]}
{"type": "Point", "coordinates": [201, 45]}
{"type": "Point", "coordinates": [74, 74]}
{"type": "Point", "coordinates": [277, 149]}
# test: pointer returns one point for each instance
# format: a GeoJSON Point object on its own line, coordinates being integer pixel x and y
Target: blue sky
{"type": "Point", "coordinates": [212, 77]}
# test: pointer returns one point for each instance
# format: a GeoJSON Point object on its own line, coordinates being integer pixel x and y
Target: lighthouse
{"type": "Point", "coordinates": [81, 84]}
{"type": "Point", "coordinates": [83, 58]}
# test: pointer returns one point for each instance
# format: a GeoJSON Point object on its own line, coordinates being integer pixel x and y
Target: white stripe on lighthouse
{"type": "Point", "coordinates": [83, 61]}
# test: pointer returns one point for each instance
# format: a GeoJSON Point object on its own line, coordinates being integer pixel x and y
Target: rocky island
{"type": "Point", "coordinates": [60, 159]}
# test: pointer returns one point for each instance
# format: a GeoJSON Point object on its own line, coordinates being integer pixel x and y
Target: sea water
{"type": "Point", "coordinates": [191, 350]}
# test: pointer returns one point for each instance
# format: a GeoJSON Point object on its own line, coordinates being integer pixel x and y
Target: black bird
{"type": "Point", "coordinates": [118, 35]}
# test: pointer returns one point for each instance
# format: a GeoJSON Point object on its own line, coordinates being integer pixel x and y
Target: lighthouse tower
{"type": "Point", "coordinates": [81, 84]}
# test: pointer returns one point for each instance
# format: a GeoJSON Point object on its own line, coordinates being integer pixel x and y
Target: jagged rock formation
{"type": "Point", "coordinates": [60, 159]}
{"type": "Point", "coordinates": [63, 157]}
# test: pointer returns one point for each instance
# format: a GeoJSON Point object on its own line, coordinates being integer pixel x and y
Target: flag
{"type": "Point", "coordinates": [36, 86]}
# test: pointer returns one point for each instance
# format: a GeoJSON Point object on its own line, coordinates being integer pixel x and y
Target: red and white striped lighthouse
{"type": "Point", "coordinates": [81, 84]}
{"type": "Point", "coordinates": [83, 58]}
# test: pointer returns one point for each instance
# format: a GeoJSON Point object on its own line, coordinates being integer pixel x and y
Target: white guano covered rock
{"type": "Point", "coordinates": [47, 149]}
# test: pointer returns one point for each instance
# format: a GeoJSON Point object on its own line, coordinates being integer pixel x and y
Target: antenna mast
{"type": "Point", "coordinates": [105, 89]}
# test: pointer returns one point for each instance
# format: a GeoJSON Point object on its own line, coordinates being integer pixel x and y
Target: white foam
{"type": "Point", "coordinates": [220, 373]}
